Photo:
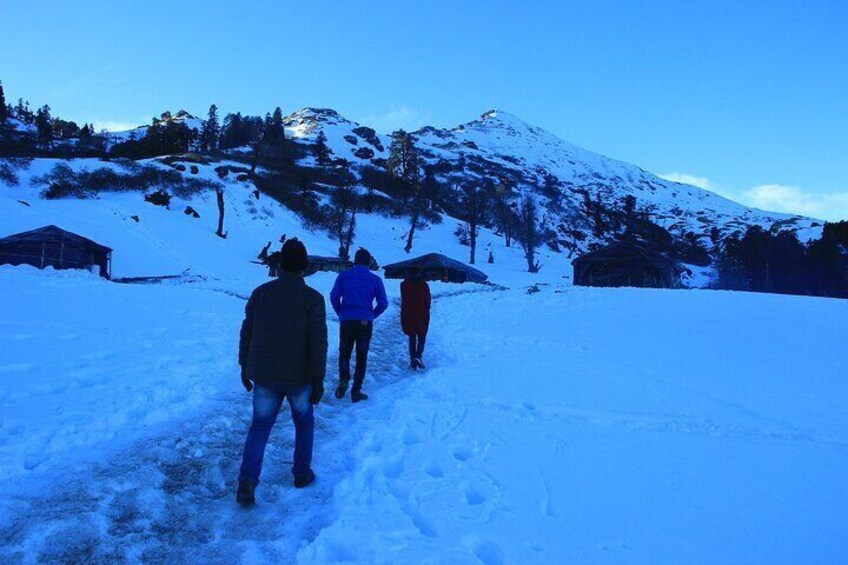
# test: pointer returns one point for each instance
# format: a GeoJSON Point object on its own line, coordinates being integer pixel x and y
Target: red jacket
{"type": "Point", "coordinates": [414, 306]}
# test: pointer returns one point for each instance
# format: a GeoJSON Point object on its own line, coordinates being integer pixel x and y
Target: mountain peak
{"type": "Point", "coordinates": [181, 116]}
{"type": "Point", "coordinates": [495, 117]}
{"type": "Point", "coordinates": [307, 120]}
{"type": "Point", "coordinates": [495, 114]}
{"type": "Point", "coordinates": [317, 113]}
{"type": "Point", "coordinates": [501, 120]}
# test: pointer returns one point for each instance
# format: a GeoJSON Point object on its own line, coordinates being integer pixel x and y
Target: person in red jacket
{"type": "Point", "coordinates": [415, 315]}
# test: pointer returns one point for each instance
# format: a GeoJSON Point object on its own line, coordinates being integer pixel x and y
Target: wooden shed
{"type": "Point", "coordinates": [51, 246]}
{"type": "Point", "coordinates": [627, 264]}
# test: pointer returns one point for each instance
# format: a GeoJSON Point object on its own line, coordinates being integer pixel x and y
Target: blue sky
{"type": "Point", "coordinates": [747, 98]}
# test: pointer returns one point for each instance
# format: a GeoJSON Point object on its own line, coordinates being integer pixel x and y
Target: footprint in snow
{"type": "Point", "coordinates": [419, 519]}
{"type": "Point", "coordinates": [474, 494]}
{"type": "Point", "coordinates": [393, 467]}
{"type": "Point", "coordinates": [434, 469]}
{"type": "Point", "coordinates": [462, 452]}
{"type": "Point", "coordinates": [487, 551]}
{"type": "Point", "coordinates": [410, 436]}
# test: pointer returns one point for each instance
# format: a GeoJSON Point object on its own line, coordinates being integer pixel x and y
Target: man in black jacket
{"type": "Point", "coordinates": [283, 352]}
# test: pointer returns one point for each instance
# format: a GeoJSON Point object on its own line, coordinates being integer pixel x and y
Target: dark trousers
{"type": "Point", "coordinates": [416, 345]}
{"type": "Point", "coordinates": [267, 400]}
{"type": "Point", "coordinates": [358, 333]}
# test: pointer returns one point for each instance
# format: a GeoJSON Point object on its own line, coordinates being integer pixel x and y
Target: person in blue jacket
{"type": "Point", "coordinates": [353, 298]}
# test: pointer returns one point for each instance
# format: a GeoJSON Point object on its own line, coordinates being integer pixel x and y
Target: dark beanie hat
{"type": "Point", "coordinates": [294, 258]}
{"type": "Point", "coordinates": [362, 257]}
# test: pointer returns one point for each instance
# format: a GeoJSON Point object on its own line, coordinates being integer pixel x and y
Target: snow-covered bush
{"type": "Point", "coordinates": [64, 182]}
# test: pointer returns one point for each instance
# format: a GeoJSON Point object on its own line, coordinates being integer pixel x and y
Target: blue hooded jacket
{"type": "Point", "coordinates": [354, 293]}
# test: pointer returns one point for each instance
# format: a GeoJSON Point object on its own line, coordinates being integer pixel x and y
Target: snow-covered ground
{"type": "Point", "coordinates": [566, 425]}
{"type": "Point", "coordinates": [168, 242]}
{"type": "Point", "coordinates": [554, 424]}
{"type": "Point", "coordinates": [586, 425]}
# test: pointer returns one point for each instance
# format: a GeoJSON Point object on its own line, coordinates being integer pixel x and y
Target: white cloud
{"type": "Point", "coordinates": [398, 116]}
{"type": "Point", "coordinates": [795, 200]}
{"type": "Point", "coordinates": [112, 125]}
{"type": "Point", "coordinates": [700, 182]}
{"type": "Point", "coordinates": [776, 197]}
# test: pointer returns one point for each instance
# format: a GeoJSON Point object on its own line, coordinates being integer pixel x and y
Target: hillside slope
{"type": "Point", "coordinates": [568, 183]}
{"type": "Point", "coordinates": [151, 240]}
{"type": "Point", "coordinates": [502, 147]}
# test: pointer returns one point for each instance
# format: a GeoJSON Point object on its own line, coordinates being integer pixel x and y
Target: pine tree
{"type": "Point", "coordinates": [404, 165]}
{"type": "Point", "coordinates": [278, 132]}
{"type": "Point", "coordinates": [826, 265]}
{"type": "Point", "coordinates": [344, 204]}
{"type": "Point", "coordinates": [168, 139]}
{"type": "Point", "coordinates": [504, 214]}
{"type": "Point", "coordinates": [211, 131]}
{"type": "Point", "coordinates": [473, 205]}
{"type": "Point", "coordinates": [63, 129]}
{"type": "Point", "coordinates": [44, 124]}
{"type": "Point", "coordinates": [322, 152]}
{"type": "Point", "coordinates": [260, 146]}
{"type": "Point", "coordinates": [715, 238]}
{"type": "Point", "coordinates": [23, 113]}
{"type": "Point", "coordinates": [551, 187]}
{"type": "Point", "coordinates": [473, 198]}
{"type": "Point", "coordinates": [271, 148]}
{"type": "Point", "coordinates": [233, 135]}
{"type": "Point", "coordinates": [628, 207]}
{"type": "Point", "coordinates": [431, 188]}
{"type": "Point", "coordinates": [4, 111]}
{"type": "Point", "coordinates": [529, 233]}
{"type": "Point", "coordinates": [775, 261]}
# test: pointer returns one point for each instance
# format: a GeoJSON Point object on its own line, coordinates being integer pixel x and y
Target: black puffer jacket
{"type": "Point", "coordinates": [284, 334]}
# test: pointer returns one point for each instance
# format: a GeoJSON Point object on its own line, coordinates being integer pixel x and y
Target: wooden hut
{"type": "Point", "coordinates": [627, 264]}
{"type": "Point", "coordinates": [327, 264]}
{"type": "Point", "coordinates": [51, 246]}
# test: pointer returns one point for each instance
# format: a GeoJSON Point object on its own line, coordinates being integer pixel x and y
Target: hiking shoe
{"type": "Point", "coordinates": [357, 395]}
{"type": "Point", "coordinates": [420, 363]}
{"type": "Point", "coordinates": [304, 479]}
{"type": "Point", "coordinates": [413, 364]}
{"type": "Point", "coordinates": [341, 390]}
{"type": "Point", "coordinates": [246, 494]}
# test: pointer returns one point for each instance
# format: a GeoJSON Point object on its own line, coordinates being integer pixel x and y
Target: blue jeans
{"type": "Point", "coordinates": [354, 332]}
{"type": "Point", "coordinates": [267, 400]}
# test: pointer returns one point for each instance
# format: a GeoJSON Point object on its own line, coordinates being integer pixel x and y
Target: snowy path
{"type": "Point", "coordinates": [568, 425]}
{"type": "Point", "coordinates": [169, 498]}
{"type": "Point", "coordinates": [563, 431]}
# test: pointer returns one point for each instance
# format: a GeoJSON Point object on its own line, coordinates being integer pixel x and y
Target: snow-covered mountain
{"type": "Point", "coordinates": [502, 147]}
{"type": "Point", "coordinates": [564, 179]}
{"type": "Point", "coordinates": [165, 118]}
